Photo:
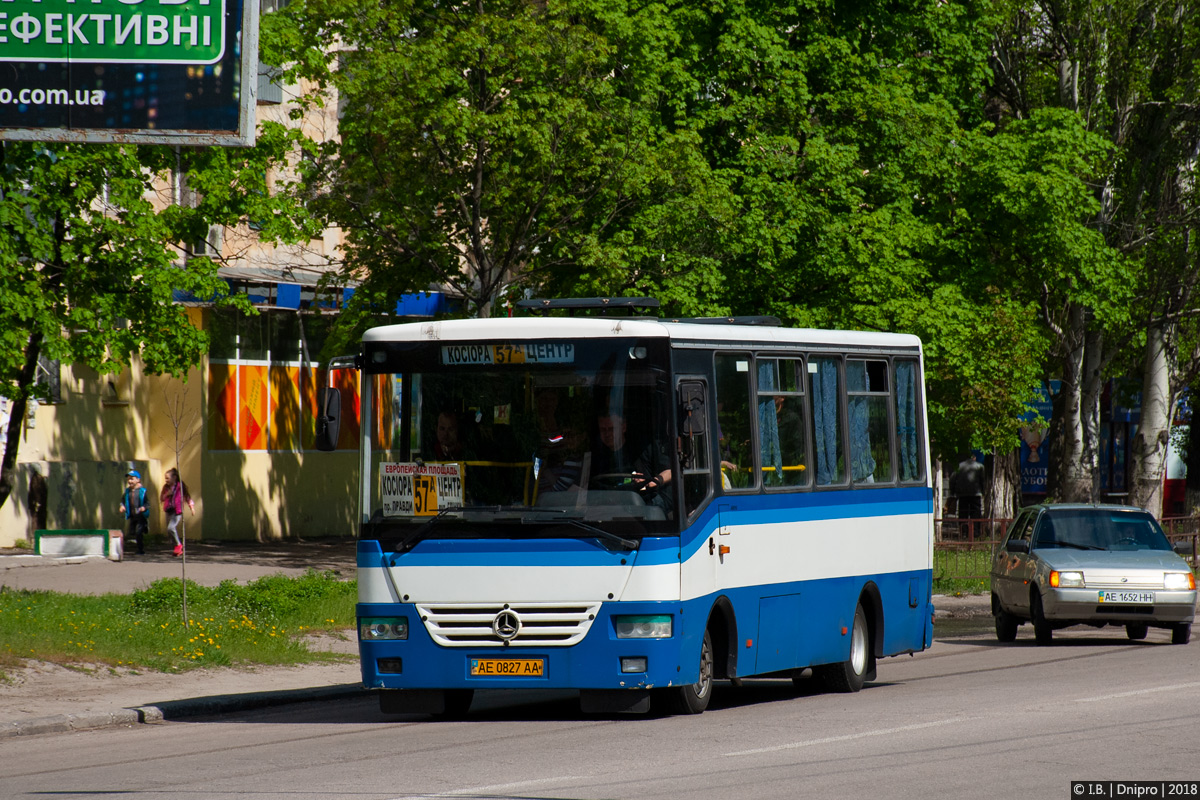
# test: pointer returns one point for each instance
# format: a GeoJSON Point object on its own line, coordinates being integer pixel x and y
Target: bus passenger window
{"type": "Point", "coordinates": [870, 431]}
{"type": "Point", "coordinates": [733, 421]}
{"type": "Point", "coordinates": [908, 449]}
{"type": "Point", "coordinates": [781, 429]}
{"type": "Point", "coordinates": [827, 421]}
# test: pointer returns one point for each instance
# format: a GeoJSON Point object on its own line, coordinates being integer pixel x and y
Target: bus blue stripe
{"type": "Point", "coordinates": [761, 509]}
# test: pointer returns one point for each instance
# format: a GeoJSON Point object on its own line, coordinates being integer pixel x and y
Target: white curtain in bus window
{"type": "Point", "coordinates": [870, 442]}
{"type": "Point", "coordinates": [906, 421]}
{"type": "Point", "coordinates": [827, 423]}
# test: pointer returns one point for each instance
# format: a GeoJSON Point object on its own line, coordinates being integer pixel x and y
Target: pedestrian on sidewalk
{"type": "Point", "coordinates": [133, 506]}
{"type": "Point", "coordinates": [174, 495]}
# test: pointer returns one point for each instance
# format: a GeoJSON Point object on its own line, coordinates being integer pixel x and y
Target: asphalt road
{"type": "Point", "coordinates": [969, 718]}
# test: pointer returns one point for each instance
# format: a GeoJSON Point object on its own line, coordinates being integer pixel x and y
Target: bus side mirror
{"type": "Point", "coordinates": [329, 403]}
{"type": "Point", "coordinates": [692, 420]}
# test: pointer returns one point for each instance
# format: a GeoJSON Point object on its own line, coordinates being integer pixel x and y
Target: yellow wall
{"type": "Point", "coordinates": [84, 445]}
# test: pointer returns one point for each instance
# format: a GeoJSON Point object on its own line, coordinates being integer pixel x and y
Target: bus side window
{"type": "Point", "coordinates": [733, 421]}
{"type": "Point", "coordinates": [870, 431]}
{"type": "Point", "coordinates": [827, 421]}
{"type": "Point", "coordinates": [908, 444]}
{"type": "Point", "coordinates": [781, 431]}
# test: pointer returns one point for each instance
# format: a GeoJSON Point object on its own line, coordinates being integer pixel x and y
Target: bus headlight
{"type": "Point", "coordinates": [374, 629]}
{"type": "Point", "coordinates": [1179, 581]}
{"type": "Point", "coordinates": [643, 626]}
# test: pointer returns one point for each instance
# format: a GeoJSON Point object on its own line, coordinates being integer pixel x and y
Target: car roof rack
{"type": "Point", "coordinates": [762, 321]}
{"type": "Point", "coordinates": [604, 305]}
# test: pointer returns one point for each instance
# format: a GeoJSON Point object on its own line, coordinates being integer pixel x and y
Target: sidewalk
{"type": "Point", "coordinates": [46, 698]}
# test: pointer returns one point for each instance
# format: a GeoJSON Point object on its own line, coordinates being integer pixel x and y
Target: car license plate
{"type": "Point", "coordinates": [509, 667]}
{"type": "Point", "coordinates": [1127, 597]}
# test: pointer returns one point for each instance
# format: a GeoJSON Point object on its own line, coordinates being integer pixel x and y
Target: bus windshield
{"type": "Point", "coordinates": [510, 439]}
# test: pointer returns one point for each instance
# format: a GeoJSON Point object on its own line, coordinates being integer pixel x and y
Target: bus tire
{"type": "Point", "coordinates": [693, 699]}
{"type": "Point", "coordinates": [851, 674]}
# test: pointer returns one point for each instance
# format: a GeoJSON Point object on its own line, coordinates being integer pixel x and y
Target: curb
{"type": "Point", "coordinates": [178, 709]}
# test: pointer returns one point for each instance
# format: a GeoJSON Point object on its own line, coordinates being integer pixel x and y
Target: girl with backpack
{"type": "Point", "coordinates": [174, 495]}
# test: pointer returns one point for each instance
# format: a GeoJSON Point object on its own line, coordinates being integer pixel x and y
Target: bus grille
{"type": "Point", "coordinates": [542, 624]}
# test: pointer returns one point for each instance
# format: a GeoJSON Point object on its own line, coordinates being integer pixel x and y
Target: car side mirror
{"type": "Point", "coordinates": [329, 402]}
{"type": "Point", "coordinates": [1017, 545]}
{"type": "Point", "coordinates": [1186, 547]}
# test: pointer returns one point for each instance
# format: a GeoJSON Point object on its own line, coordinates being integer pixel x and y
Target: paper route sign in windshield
{"type": "Point", "coordinates": [419, 490]}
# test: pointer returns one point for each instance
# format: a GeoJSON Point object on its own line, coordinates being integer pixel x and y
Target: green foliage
{"type": "Point", "coordinates": [492, 144]}
{"type": "Point", "coordinates": [262, 622]}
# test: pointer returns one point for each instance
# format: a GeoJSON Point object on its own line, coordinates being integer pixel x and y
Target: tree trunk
{"type": "Point", "coordinates": [1066, 479]}
{"type": "Point", "coordinates": [1149, 446]}
{"type": "Point", "coordinates": [12, 441]}
{"type": "Point", "coordinates": [1089, 403]}
{"type": "Point", "coordinates": [1004, 496]}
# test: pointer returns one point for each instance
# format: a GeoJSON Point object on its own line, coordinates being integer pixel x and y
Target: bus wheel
{"type": "Point", "coordinates": [694, 699]}
{"type": "Point", "coordinates": [849, 675]}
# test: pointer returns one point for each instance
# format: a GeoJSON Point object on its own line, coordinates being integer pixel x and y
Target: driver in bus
{"type": "Point", "coordinates": [648, 471]}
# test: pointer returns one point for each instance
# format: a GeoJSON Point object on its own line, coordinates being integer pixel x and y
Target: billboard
{"type": "Point", "coordinates": [143, 71]}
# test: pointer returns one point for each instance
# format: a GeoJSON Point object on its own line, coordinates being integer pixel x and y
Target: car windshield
{"type": "Point", "coordinates": [520, 439]}
{"type": "Point", "coordinates": [1100, 529]}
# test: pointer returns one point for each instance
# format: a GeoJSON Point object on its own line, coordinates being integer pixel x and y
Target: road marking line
{"type": "Point", "coordinates": [1136, 692]}
{"type": "Point", "coordinates": [849, 737]}
{"type": "Point", "coordinates": [490, 790]}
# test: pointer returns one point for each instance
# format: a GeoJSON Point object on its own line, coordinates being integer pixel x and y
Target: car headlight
{"type": "Point", "coordinates": [643, 626]}
{"type": "Point", "coordinates": [1179, 581]}
{"type": "Point", "coordinates": [374, 629]}
{"type": "Point", "coordinates": [1066, 579]}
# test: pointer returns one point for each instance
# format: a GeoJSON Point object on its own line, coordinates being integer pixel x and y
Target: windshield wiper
{"type": "Point", "coordinates": [1078, 546]}
{"type": "Point", "coordinates": [627, 544]}
{"type": "Point", "coordinates": [412, 538]}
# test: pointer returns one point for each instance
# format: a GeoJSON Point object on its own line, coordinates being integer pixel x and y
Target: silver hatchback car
{"type": "Point", "coordinates": [1064, 564]}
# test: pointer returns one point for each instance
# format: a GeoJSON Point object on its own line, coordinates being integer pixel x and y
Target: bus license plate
{"type": "Point", "coordinates": [509, 667]}
{"type": "Point", "coordinates": [1127, 597]}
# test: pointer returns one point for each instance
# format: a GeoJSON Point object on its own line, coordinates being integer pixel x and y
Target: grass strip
{"type": "Point", "coordinates": [262, 622]}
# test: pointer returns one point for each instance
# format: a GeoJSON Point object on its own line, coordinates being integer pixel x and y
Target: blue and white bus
{"type": "Point", "coordinates": [635, 507]}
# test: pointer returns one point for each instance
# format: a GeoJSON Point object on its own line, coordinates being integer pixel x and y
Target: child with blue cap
{"type": "Point", "coordinates": [133, 506]}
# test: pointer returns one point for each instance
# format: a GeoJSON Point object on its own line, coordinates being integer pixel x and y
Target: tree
{"type": "Point", "coordinates": [489, 145]}
{"type": "Point", "coordinates": [1126, 70]}
{"type": "Point", "coordinates": [90, 258]}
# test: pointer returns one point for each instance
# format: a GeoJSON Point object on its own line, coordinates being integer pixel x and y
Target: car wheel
{"type": "Point", "coordinates": [851, 674]}
{"type": "Point", "coordinates": [1042, 632]}
{"type": "Point", "coordinates": [1137, 630]}
{"type": "Point", "coordinates": [1006, 626]}
{"type": "Point", "coordinates": [1181, 633]}
{"type": "Point", "coordinates": [694, 699]}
